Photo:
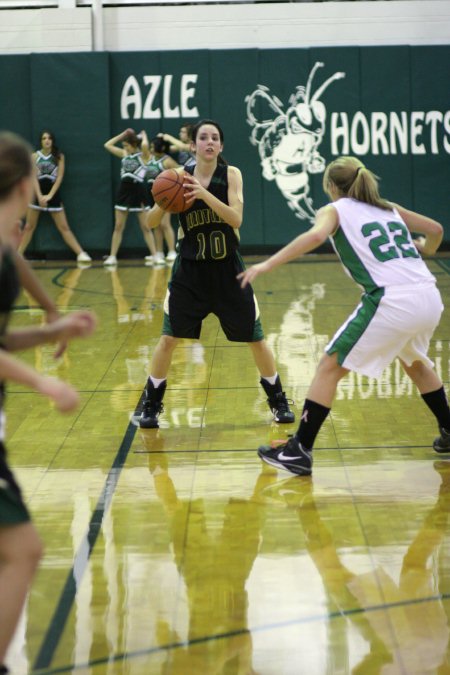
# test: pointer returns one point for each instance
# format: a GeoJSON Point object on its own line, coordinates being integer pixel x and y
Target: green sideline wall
{"type": "Point", "coordinates": [390, 106]}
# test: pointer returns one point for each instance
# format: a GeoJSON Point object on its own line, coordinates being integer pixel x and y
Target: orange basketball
{"type": "Point", "coordinates": [168, 191]}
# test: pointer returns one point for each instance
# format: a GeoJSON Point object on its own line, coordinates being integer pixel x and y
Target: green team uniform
{"type": "Point", "coordinates": [400, 306]}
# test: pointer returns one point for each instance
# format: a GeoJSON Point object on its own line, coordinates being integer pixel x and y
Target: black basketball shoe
{"type": "Point", "coordinates": [291, 456]}
{"type": "Point", "coordinates": [277, 402]}
{"type": "Point", "coordinates": [442, 443]}
{"type": "Point", "coordinates": [152, 406]}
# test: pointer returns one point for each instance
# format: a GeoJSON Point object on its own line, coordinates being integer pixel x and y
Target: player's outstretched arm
{"type": "Point", "coordinates": [325, 224]}
{"type": "Point", "coordinates": [65, 397]}
{"type": "Point", "coordinates": [31, 283]}
{"type": "Point", "coordinates": [79, 324]}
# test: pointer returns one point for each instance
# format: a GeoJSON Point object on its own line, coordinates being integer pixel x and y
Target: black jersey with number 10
{"type": "Point", "coordinates": [205, 235]}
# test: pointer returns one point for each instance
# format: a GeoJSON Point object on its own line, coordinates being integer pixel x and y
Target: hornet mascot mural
{"type": "Point", "coordinates": [288, 140]}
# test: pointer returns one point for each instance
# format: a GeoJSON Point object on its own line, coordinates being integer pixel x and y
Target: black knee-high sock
{"type": "Point", "coordinates": [438, 404]}
{"type": "Point", "coordinates": [313, 416]}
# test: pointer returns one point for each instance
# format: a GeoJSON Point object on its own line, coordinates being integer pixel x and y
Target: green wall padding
{"type": "Point", "coordinates": [388, 105]}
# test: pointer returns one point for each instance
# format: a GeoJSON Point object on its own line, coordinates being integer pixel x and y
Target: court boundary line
{"type": "Point", "coordinates": [64, 605]}
{"type": "Point", "coordinates": [435, 456]}
{"type": "Point", "coordinates": [344, 613]}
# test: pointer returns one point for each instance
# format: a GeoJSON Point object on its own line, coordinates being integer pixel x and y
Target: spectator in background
{"type": "Point", "coordinates": [181, 147]}
{"type": "Point", "coordinates": [159, 161]}
{"type": "Point", "coordinates": [50, 165]}
{"type": "Point", "coordinates": [133, 196]}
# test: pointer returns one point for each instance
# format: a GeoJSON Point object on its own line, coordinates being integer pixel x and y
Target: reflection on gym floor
{"type": "Point", "coordinates": [175, 551]}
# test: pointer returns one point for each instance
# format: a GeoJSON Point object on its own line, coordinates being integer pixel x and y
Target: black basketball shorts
{"type": "Point", "coordinates": [199, 288]}
{"type": "Point", "coordinates": [12, 508]}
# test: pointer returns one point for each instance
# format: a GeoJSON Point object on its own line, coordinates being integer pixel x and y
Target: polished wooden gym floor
{"type": "Point", "coordinates": [176, 551]}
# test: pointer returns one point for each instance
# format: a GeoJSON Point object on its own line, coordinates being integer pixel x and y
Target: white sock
{"type": "Point", "coordinates": [157, 382]}
{"type": "Point", "coordinates": [270, 380]}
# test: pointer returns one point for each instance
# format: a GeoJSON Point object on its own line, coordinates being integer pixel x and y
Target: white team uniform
{"type": "Point", "coordinates": [401, 305]}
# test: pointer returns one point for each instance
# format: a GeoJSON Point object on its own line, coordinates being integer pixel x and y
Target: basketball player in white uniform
{"type": "Point", "coordinates": [399, 309]}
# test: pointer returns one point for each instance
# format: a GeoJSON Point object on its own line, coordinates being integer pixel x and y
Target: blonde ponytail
{"type": "Point", "coordinates": [352, 179]}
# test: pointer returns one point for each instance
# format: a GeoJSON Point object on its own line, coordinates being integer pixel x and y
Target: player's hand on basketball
{"type": "Point", "coordinates": [251, 273]}
{"type": "Point", "coordinates": [192, 189]}
{"type": "Point", "coordinates": [66, 398]}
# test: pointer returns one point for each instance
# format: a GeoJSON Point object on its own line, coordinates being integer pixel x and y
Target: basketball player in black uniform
{"type": "Point", "coordinates": [204, 274]}
{"type": "Point", "coordinates": [20, 546]}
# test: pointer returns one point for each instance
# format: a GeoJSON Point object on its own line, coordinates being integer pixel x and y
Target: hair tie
{"type": "Point", "coordinates": [359, 169]}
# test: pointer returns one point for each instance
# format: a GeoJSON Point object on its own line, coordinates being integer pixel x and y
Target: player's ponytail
{"type": "Point", "coordinates": [15, 162]}
{"type": "Point", "coordinates": [352, 179]}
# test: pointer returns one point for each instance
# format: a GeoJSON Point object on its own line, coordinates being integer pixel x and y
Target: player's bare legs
{"type": "Point", "coordinates": [162, 356]}
{"type": "Point", "coordinates": [168, 233]}
{"type": "Point", "coordinates": [271, 383]}
{"type": "Point", "coordinates": [263, 357]}
{"type": "Point", "coordinates": [30, 226]}
{"type": "Point", "coordinates": [423, 376]}
{"type": "Point", "coordinates": [66, 233]}
{"type": "Point", "coordinates": [156, 383]}
{"type": "Point", "coordinates": [296, 455]}
{"type": "Point", "coordinates": [159, 240]}
{"type": "Point", "coordinates": [324, 383]}
{"type": "Point", "coordinates": [147, 234]}
{"type": "Point", "coordinates": [119, 226]}
{"type": "Point", "coordinates": [20, 552]}
{"type": "Point", "coordinates": [433, 395]}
